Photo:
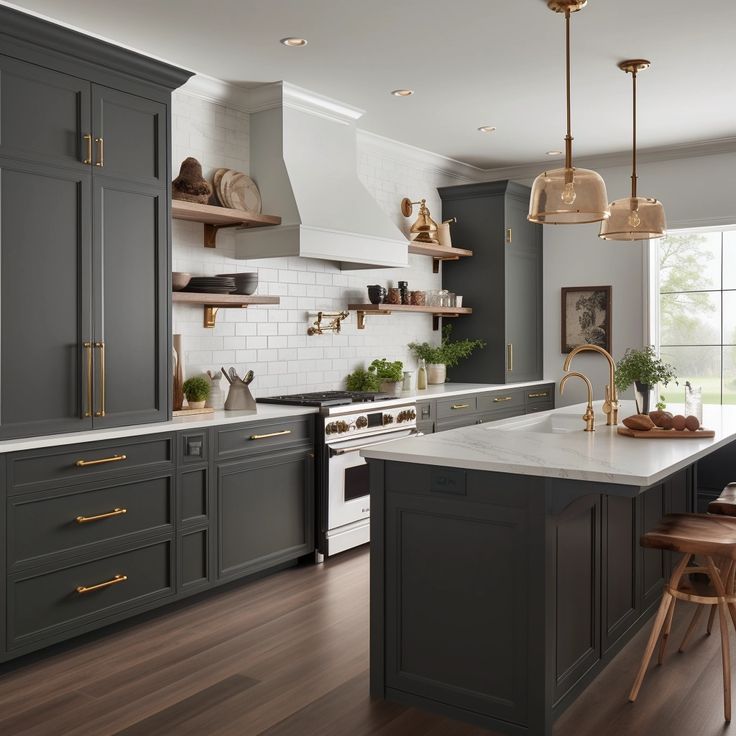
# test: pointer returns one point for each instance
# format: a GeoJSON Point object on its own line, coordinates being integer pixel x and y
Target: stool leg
{"type": "Point", "coordinates": [711, 616]}
{"type": "Point", "coordinates": [725, 647]}
{"type": "Point", "coordinates": [693, 623]}
{"type": "Point", "coordinates": [666, 631]}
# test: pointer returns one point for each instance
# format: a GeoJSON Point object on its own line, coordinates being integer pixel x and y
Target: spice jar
{"type": "Point", "coordinates": [393, 296]}
{"type": "Point", "coordinates": [404, 292]}
{"type": "Point", "coordinates": [418, 298]}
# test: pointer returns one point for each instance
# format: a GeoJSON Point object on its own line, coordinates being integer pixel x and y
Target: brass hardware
{"type": "Point", "coordinates": [88, 158]}
{"type": "Point", "coordinates": [98, 517]}
{"type": "Point", "coordinates": [210, 316]}
{"type": "Point", "coordinates": [270, 434]}
{"type": "Point", "coordinates": [424, 229]}
{"type": "Point", "coordinates": [100, 152]}
{"type": "Point", "coordinates": [508, 235]}
{"type": "Point", "coordinates": [563, 6]}
{"type": "Point", "coordinates": [502, 398]}
{"type": "Point", "coordinates": [101, 347]}
{"type": "Point", "coordinates": [589, 416]}
{"type": "Point", "coordinates": [610, 405]}
{"type": "Point", "coordinates": [538, 395]}
{"type": "Point", "coordinates": [101, 461]}
{"type": "Point", "coordinates": [98, 586]}
{"type": "Point", "coordinates": [334, 326]}
{"type": "Point", "coordinates": [510, 357]}
{"type": "Point", "coordinates": [90, 398]}
{"type": "Point", "coordinates": [460, 406]}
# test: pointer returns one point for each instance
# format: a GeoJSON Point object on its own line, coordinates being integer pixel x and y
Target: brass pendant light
{"type": "Point", "coordinates": [634, 218]}
{"type": "Point", "coordinates": [568, 196]}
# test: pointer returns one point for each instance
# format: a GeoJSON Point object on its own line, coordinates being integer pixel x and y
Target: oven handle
{"type": "Point", "coordinates": [334, 452]}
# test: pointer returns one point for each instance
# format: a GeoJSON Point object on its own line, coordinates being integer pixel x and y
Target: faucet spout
{"type": "Point", "coordinates": [610, 404]}
{"type": "Point", "coordinates": [589, 416]}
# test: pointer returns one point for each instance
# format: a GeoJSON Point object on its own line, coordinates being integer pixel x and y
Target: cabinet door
{"type": "Point", "coordinates": [265, 512]}
{"type": "Point", "coordinates": [45, 303]}
{"type": "Point", "coordinates": [523, 294]}
{"type": "Point", "coordinates": [130, 136]}
{"type": "Point", "coordinates": [130, 267]}
{"type": "Point", "coordinates": [43, 115]}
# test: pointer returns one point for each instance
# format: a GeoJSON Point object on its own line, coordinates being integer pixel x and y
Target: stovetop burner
{"type": "Point", "coordinates": [326, 398]}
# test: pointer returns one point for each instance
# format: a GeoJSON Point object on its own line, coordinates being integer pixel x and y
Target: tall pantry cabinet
{"type": "Point", "coordinates": [84, 231]}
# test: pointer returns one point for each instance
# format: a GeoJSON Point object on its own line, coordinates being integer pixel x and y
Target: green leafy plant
{"type": "Point", "coordinates": [361, 380]}
{"type": "Point", "coordinates": [196, 388]}
{"type": "Point", "coordinates": [645, 367]}
{"type": "Point", "coordinates": [387, 370]}
{"type": "Point", "coordinates": [450, 352]}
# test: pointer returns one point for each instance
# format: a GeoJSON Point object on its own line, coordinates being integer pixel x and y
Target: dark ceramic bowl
{"type": "Point", "coordinates": [245, 283]}
{"type": "Point", "coordinates": [376, 294]}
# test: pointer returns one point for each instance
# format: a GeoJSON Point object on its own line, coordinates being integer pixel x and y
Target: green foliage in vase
{"type": "Point", "coordinates": [387, 370]}
{"type": "Point", "coordinates": [449, 352]}
{"type": "Point", "coordinates": [196, 388]}
{"type": "Point", "coordinates": [361, 380]}
{"type": "Point", "coordinates": [645, 367]}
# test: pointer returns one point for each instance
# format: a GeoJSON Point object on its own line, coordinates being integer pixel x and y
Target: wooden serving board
{"type": "Point", "coordinates": [667, 434]}
{"type": "Point", "coordinates": [191, 412]}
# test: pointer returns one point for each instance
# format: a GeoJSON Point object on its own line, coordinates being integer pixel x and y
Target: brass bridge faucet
{"type": "Point", "coordinates": [610, 405]}
{"type": "Point", "coordinates": [589, 416]}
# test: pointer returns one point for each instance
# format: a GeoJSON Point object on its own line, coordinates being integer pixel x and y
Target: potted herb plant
{"type": "Point", "coordinates": [196, 389]}
{"type": "Point", "coordinates": [448, 353]}
{"type": "Point", "coordinates": [362, 380]}
{"type": "Point", "coordinates": [644, 370]}
{"type": "Point", "coordinates": [390, 374]}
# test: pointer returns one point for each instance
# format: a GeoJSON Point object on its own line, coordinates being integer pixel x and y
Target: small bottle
{"type": "Point", "coordinates": [406, 386]}
{"type": "Point", "coordinates": [422, 376]}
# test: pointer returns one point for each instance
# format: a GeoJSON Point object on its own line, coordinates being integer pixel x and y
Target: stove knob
{"type": "Point", "coordinates": [361, 422]}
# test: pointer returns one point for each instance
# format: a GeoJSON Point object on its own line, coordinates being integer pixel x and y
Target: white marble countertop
{"type": "Point", "coordinates": [526, 446]}
{"type": "Point", "coordinates": [446, 390]}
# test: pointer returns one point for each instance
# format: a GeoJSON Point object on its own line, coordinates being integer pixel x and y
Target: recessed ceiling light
{"type": "Point", "coordinates": [294, 42]}
{"type": "Point", "coordinates": [402, 92]}
{"type": "Point", "coordinates": [487, 129]}
{"type": "Point", "coordinates": [554, 153]}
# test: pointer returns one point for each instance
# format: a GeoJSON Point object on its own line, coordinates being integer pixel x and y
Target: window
{"type": "Point", "coordinates": [696, 317]}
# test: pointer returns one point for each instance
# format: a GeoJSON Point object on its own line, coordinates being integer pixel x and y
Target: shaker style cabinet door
{"type": "Point", "coordinates": [130, 318]}
{"type": "Point", "coordinates": [44, 115]}
{"type": "Point", "coordinates": [129, 136]}
{"type": "Point", "coordinates": [45, 299]}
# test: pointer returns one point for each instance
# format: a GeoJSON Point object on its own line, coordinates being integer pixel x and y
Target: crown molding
{"type": "Point", "coordinates": [217, 92]}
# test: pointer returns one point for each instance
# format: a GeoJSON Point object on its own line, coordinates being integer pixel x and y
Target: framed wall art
{"type": "Point", "coordinates": [586, 317]}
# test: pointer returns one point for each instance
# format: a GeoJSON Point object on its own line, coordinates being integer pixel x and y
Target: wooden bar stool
{"type": "Point", "coordinates": [712, 538]}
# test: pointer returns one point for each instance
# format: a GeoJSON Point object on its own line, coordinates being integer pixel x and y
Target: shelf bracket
{"type": "Point", "coordinates": [436, 262]}
{"type": "Point", "coordinates": [362, 315]}
{"type": "Point", "coordinates": [210, 315]}
{"type": "Point", "coordinates": [210, 233]}
{"type": "Point", "coordinates": [437, 317]}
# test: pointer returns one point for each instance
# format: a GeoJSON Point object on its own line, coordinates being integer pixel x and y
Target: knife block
{"type": "Point", "coordinates": [239, 398]}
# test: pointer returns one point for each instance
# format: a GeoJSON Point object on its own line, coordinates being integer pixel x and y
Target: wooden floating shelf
{"type": "Point", "coordinates": [215, 218]}
{"type": "Point", "coordinates": [438, 253]}
{"type": "Point", "coordinates": [214, 302]}
{"type": "Point", "coordinates": [363, 310]}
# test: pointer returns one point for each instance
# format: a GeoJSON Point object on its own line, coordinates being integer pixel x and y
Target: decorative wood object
{"type": "Point", "coordinates": [191, 412]}
{"type": "Point", "coordinates": [190, 185]}
{"type": "Point", "coordinates": [585, 317]}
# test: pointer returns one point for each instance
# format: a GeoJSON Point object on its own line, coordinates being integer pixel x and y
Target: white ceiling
{"type": "Point", "coordinates": [471, 63]}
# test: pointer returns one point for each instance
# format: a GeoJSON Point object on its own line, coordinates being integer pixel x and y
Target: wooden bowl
{"type": "Point", "coordinates": [179, 280]}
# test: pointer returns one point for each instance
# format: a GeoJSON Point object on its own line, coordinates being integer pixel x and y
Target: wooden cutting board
{"type": "Point", "coordinates": [667, 434]}
{"type": "Point", "coordinates": [192, 412]}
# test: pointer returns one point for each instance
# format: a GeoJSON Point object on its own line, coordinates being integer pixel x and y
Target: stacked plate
{"type": "Point", "coordinates": [211, 285]}
{"type": "Point", "coordinates": [245, 283]}
{"type": "Point", "coordinates": [237, 191]}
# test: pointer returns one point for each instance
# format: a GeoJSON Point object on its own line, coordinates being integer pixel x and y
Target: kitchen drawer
{"type": "Point", "coordinates": [49, 523]}
{"type": "Point", "coordinates": [465, 420]}
{"type": "Point", "coordinates": [502, 400]}
{"type": "Point", "coordinates": [49, 467]}
{"type": "Point", "coordinates": [540, 395]}
{"type": "Point", "coordinates": [258, 437]}
{"type": "Point", "coordinates": [494, 416]}
{"type": "Point", "coordinates": [44, 605]}
{"type": "Point", "coordinates": [451, 408]}
{"type": "Point", "coordinates": [542, 406]}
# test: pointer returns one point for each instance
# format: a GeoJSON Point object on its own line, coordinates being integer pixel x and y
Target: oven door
{"type": "Point", "coordinates": [347, 473]}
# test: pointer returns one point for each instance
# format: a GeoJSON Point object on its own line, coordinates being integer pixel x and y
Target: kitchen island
{"type": "Point", "coordinates": [506, 570]}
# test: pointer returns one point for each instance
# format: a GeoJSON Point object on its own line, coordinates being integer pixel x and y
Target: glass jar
{"type": "Point", "coordinates": [694, 401]}
{"type": "Point", "coordinates": [393, 296]}
{"type": "Point", "coordinates": [418, 298]}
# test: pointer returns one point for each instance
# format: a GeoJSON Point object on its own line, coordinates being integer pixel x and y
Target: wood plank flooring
{"type": "Point", "coordinates": [287, 655]}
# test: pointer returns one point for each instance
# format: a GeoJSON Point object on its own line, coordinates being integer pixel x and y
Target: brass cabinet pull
{"type": "Point", "coordinates": [89, 399]}
{"type": "Point", "coordinates": [539, 395]}
{"type": "Point", "coordinates": [510, 357]}
{"type": "Point", "coordinates": [508, 235]}
{"type": "Point", "coordinates": [113, 581]}
{"type": "Point", "coordinates": [270, 434]}
{"type": "Point", "coordinates": [98, 517]}
{"type": "Point", "coordinates": [460, 406]}
{"type": "Point", "coordinates": [88, 158]}
{"type": "Point", "coordinates": [100, 152]}
{"type": "Point", "coordinates": [498, 399]}
{"type": "Point", "coordinates": [101, 347]}
{"type": "Point", "coordinates": [101, 461]}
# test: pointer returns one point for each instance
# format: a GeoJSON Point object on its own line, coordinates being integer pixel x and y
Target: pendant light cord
{"type": "Point", "coordinates": [633, 146]}
{"type": "Point", "coordinates": [568, 137]}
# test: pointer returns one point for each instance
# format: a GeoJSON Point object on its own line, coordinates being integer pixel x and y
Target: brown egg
{"type": "Point", "coordinates": [655, 415]}
{"type": "Point", "coordinates": [692, 423]}
{"type": "Point", "coordinates": [666, 421]}
{"type": "Point", "coordinates": [678, 422]}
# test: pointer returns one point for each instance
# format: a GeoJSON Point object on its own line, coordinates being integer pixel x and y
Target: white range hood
{"type": "Point", "coordinates": [303, 158]}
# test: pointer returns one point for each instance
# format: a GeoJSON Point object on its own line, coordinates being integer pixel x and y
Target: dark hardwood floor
{"type": "Point", "coordinates": [287, 655]}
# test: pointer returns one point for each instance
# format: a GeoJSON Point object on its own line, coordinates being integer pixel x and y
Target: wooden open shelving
{"type": "Point", "coordinates": [363, 310]}
{"type": "Point", "coordinates": [438, 253]}
{"type": "Point", "coordinates": [214, 218]}
{"type": "Point", "coordinates": [214, 302]}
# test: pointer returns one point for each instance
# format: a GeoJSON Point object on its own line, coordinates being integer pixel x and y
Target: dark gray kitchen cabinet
{"type": "Point", "coordinates": [84, 231]}
{"type": "Point", "coordinates": [502, 281]}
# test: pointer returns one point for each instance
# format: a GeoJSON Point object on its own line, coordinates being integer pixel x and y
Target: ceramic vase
{"type": "Point", "coordinates": [215, 399]}
{"type": "Point", "coordinates": [391, 387]}
{"type": "Point", "coordinates": [436, 373]}
{"type": "Point", "coordinates": [643, 396]}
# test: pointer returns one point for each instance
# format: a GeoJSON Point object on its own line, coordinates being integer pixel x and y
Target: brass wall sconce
{"type": "Point", "coordinates": [318, 328]}
{"type": "Point", "coordinates": [424, 229]}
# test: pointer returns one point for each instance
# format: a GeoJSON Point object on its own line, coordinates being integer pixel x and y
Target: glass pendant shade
{"type": "Point", "coordinates": [568, 196]}
{"type": "Point", "coordinates": [634, 218]}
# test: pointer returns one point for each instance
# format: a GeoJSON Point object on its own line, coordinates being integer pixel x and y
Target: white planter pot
{"type": "Point", "coordinates": [391, 387]}
{"type": "Point", "coordinates": [436, 373]}
{"type": "Point", "coordinates": [195, 404]}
